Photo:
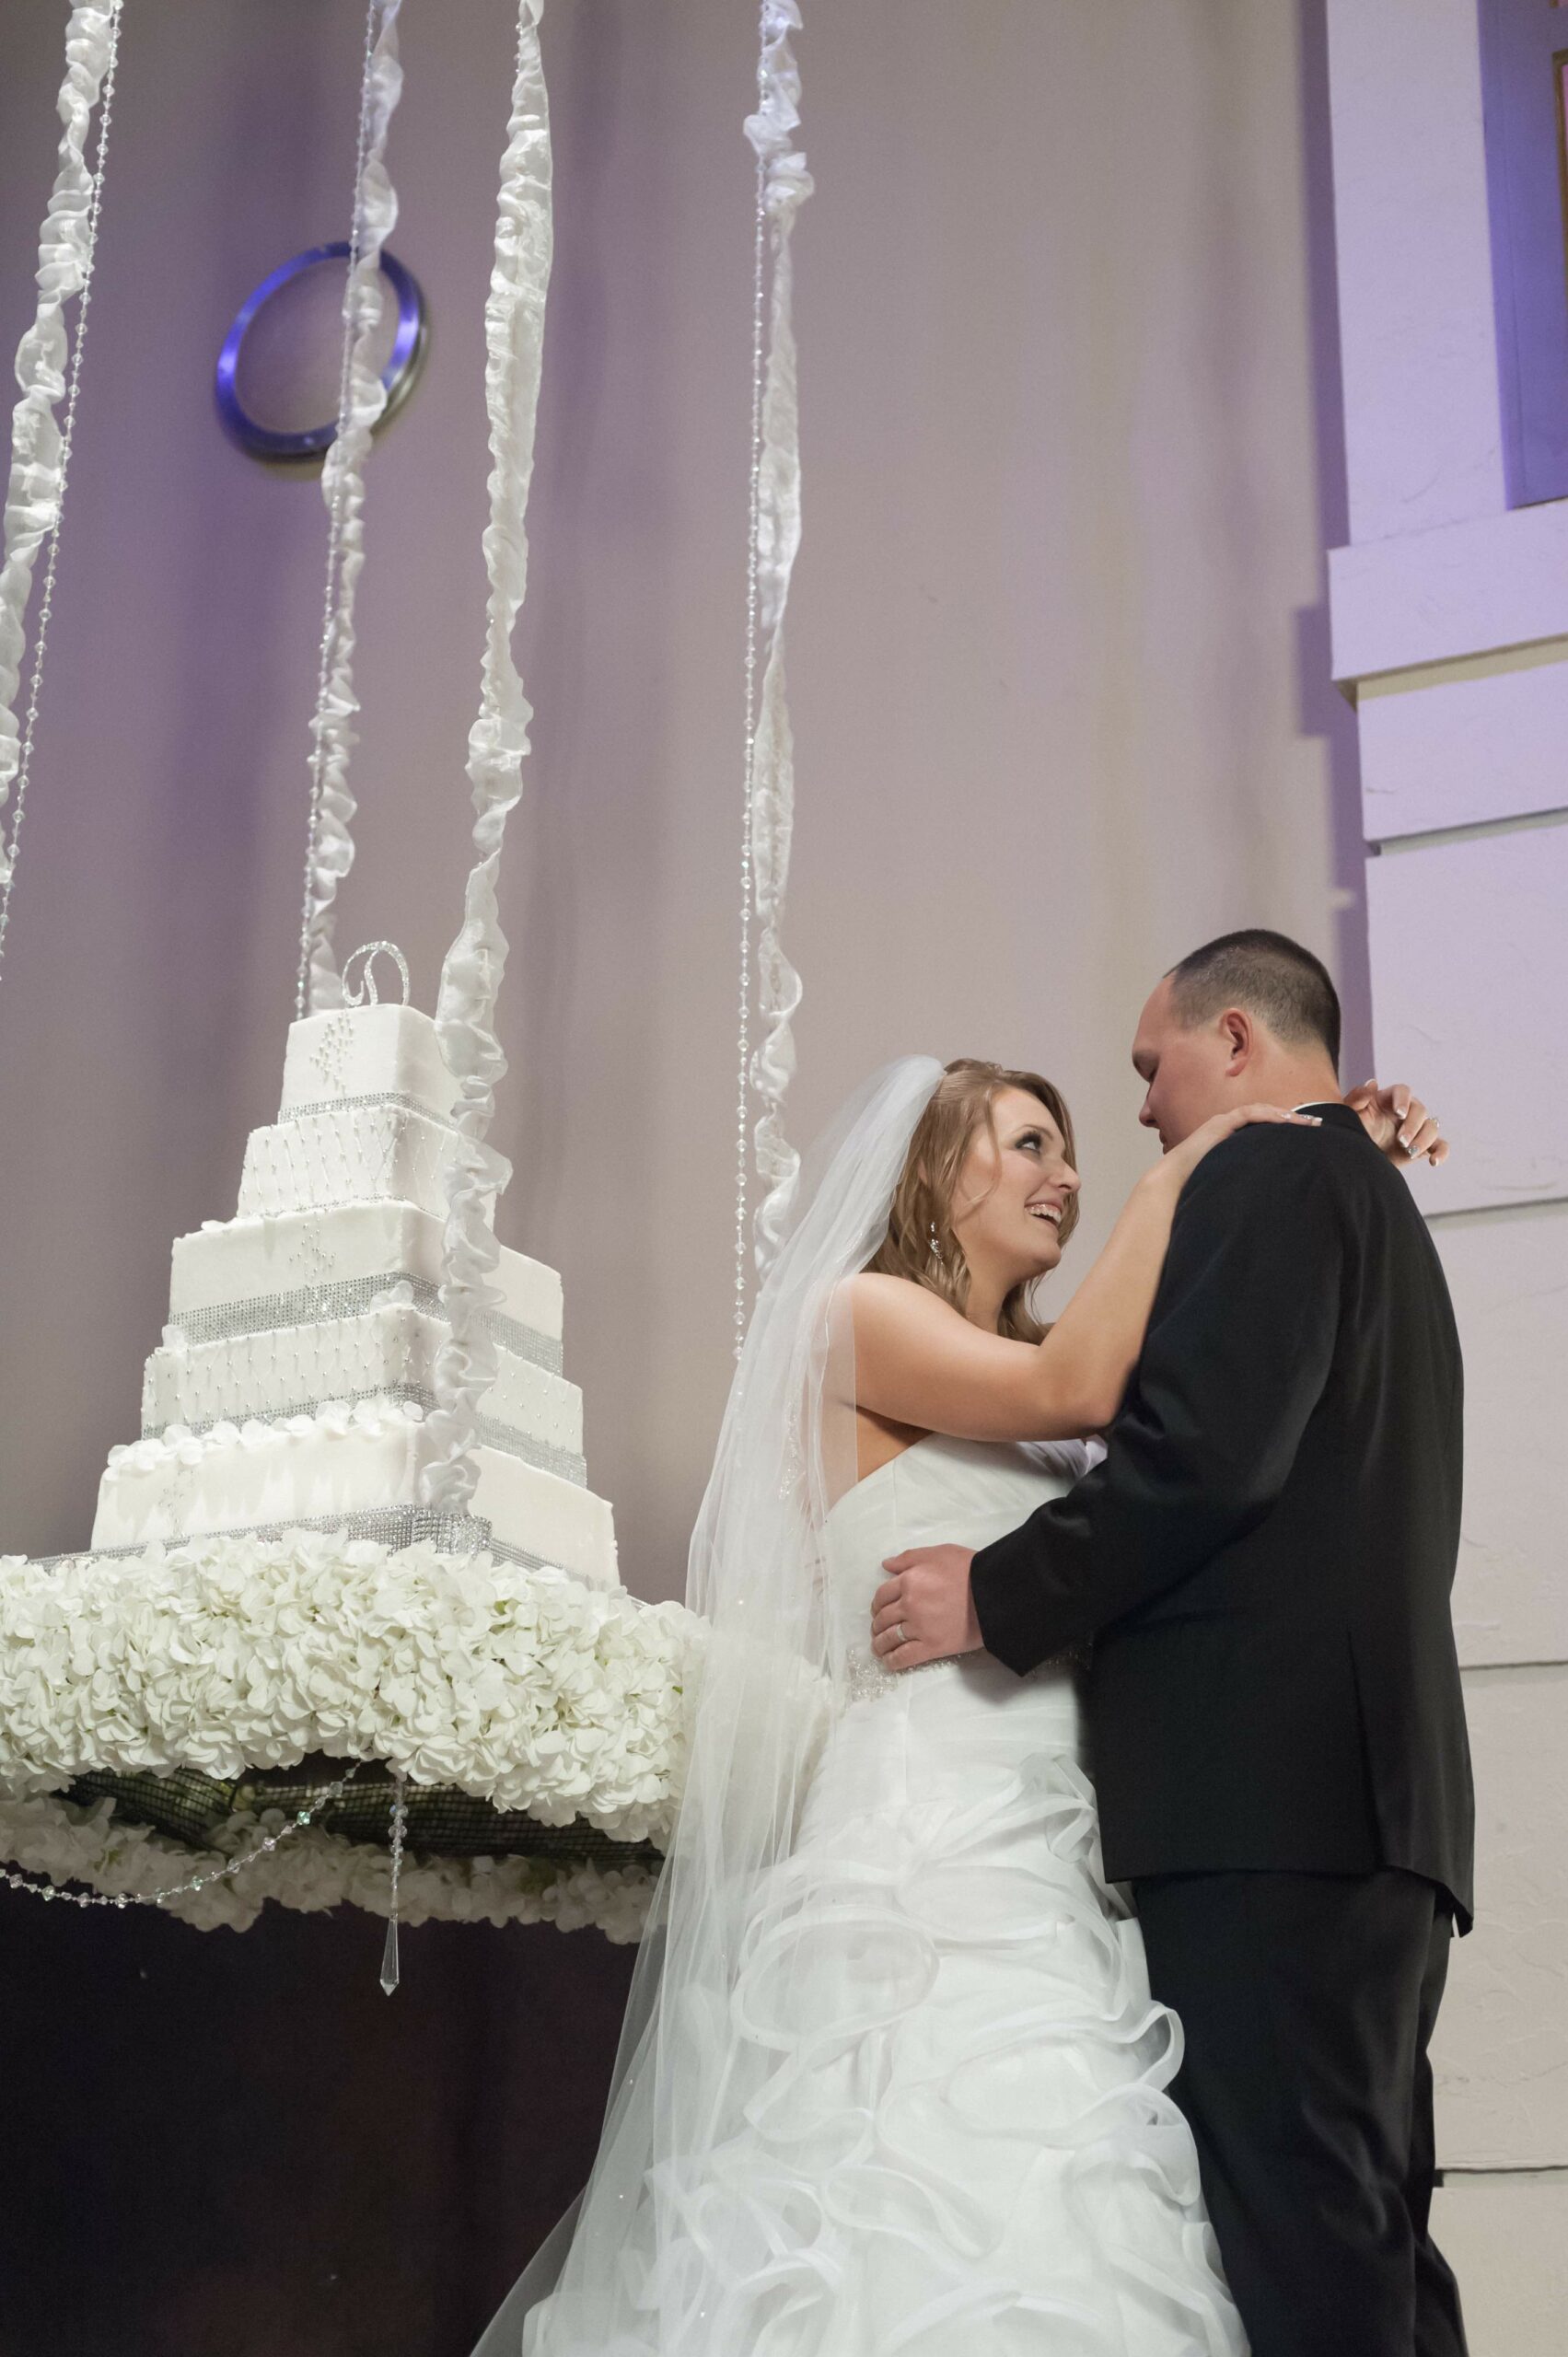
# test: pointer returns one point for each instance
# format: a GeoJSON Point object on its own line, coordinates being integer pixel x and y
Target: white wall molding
{"type": "Point", "coordinates": [1462, 589]}
{"type": "Point", "coordinates": [1476, 833]}
{"type": "Point", "coordinates": [1481, 831]}
{"type": "Point", "coordinates": [1471, 743]}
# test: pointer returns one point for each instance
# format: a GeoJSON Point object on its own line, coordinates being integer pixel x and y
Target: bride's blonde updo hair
{"type": "Point", "coordinates": [922, 1200]}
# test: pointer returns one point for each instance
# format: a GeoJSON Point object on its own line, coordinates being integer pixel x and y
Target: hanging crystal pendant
{"type": "Point", "coordinates": [399, 1818]}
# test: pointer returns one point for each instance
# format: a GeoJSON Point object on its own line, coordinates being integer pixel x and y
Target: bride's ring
{"type": "Point", "coordinates": [899, 1633]}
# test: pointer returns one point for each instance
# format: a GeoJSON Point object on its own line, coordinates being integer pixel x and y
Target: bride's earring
{"type": "Point", "coordinates": [936, 1247]}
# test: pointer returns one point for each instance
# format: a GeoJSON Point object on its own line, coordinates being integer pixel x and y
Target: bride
{"type": "Point", "coordinates": [891, 2078]}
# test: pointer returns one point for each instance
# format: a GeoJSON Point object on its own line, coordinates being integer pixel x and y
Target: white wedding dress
{"type": "Point", "coordinates": [964, 2145]}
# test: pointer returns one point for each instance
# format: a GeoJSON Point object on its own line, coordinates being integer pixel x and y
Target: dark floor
{"type": "Point", "coordinates": [233, 2144]}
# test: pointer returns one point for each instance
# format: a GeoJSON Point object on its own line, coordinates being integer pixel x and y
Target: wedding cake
{"type": "Point", "coordinates": [298, 1365]}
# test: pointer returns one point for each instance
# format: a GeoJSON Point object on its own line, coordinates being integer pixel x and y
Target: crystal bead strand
{"type": "Point", "coordinates": [399, 1822]}
{"type": "Point", "coordinates": [46, 602]}
{"type": "Point", "coordinates": [759, 269]}
{"type": "Point", "coordinates": [264, 1847]}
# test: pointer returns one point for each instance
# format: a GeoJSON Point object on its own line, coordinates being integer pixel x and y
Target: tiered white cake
{"type": "Point", "coordinates": [297, 1364]}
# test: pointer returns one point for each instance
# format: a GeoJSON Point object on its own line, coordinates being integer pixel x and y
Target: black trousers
{"type": "Point", "coordinates": [1308, 2002]}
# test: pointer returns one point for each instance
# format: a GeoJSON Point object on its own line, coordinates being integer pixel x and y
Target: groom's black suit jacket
{"type": "Point", "coordinates": [1264, 1558]}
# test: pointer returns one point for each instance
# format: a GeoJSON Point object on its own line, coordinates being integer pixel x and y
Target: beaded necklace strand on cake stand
{"type": "Point", "coordinates": [263, 1849]}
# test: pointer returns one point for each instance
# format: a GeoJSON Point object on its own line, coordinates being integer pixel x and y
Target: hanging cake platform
{"type": "Point", "coordinates": [163, 1715]}
{"type": "Point", "coordinates": [350, 1627]}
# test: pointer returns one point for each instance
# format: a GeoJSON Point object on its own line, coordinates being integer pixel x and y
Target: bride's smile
{"type": "Point", "coordinates": [1015, 1203]}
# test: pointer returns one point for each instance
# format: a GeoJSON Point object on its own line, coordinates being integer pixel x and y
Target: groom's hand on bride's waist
{"type": "Point", "coordinates": [924, 1610]}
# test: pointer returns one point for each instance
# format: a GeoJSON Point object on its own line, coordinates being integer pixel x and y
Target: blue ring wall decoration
{"type": "Point", "coordinates": [398, 376]}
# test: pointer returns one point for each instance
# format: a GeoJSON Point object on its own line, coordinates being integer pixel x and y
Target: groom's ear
{"type": "Point", "coordinates": [1239, 1032]}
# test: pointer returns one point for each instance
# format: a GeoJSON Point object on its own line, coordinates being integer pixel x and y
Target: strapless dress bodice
{"type": "Point", "coordinates": [967, 1491]}
{"type": "Point", "coordinates": [941, 1490]}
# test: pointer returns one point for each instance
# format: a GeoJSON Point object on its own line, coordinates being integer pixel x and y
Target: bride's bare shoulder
{"type": "Point", "coordinates": [881, 1304]}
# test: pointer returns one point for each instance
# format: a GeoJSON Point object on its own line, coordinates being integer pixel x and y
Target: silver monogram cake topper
{"type": "Point", "coordinates": [363, 992]}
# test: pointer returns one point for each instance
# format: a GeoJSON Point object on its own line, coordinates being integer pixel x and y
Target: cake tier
{"type": "Point", "coordinates": [388, 1351]}
{"type": "Point", "coordinates": [338, 1463]}
{"type": "Point", "coordinates": [232, 1275]}
{"type": "Point", "coordinates": [351, 1153]}
{"type": "Point", "coordinates": [366, 1051]}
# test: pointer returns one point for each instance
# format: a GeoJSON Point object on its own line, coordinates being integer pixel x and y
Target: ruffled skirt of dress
{"type": "Point", "coordinates": [952, 2134]}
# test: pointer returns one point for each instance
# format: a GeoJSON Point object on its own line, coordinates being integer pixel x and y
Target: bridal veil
{"type": "Point", "coordinates": [635, 2268]}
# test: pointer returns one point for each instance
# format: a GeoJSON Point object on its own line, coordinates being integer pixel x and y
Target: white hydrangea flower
{"type": "Point", "coordinates": [527, 1689]}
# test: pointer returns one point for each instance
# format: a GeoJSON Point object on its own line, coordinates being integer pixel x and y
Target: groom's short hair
{"type": "Point", "coordinates": [1268, 974]}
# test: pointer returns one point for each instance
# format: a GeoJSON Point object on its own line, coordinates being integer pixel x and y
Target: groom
{"type": "Point", "coordinates": [1264, 1562]}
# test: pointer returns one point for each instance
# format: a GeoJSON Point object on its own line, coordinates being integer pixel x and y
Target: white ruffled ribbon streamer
{"type": "Point", "coordinates": [498, 742]}
{"type": "Point", "coordinates": [40, 449]}
{"type": "Point", "coordinates": [786, 185]}
{"type": "Point", "coordinates": [362, 399]}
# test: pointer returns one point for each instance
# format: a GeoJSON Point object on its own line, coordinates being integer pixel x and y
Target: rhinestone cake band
{"type": "Point", "coordinates": [394, 1526]}
{"type": "Point", "coordinates": [403, 1100]}
{"type": "Point", "coordinates": [314, 1305]}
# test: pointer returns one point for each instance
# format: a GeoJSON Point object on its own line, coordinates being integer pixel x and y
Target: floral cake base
{"type": "Point", "coordinates": [153, 1707]}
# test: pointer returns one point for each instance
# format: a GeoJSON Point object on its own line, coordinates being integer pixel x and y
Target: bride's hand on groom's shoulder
{"type": "Point", "coordinates": [1176, 1167]}
{"type": "Point", "coordinates": [1399, 1123]}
